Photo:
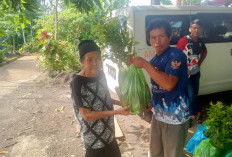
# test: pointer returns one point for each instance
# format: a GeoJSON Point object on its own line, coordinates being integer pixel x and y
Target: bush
{"type": "Point", "coordinates": [2, 56]}
{"type": "Point", "coordinates": [117, 38]}
{"type": "Point", "coordinates": [59, 56]}
{"type": "Point", "coordinates": [30, 47]}
{"type": "Point", "coordinates": [220, 125]}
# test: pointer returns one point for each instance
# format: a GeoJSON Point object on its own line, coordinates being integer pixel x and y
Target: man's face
{"type": "Point", "coordinates": [195, 30]}
{"type": "Point", "coordinates": [159, 40]}
{"type": "Point", "coordinates": [92, 63]}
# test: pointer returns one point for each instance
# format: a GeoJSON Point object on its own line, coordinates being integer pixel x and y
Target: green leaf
{"type": "Point", "coordinates": [2, 32]}
{"type": "Point", "coordinates": [23, 1]}
{"type": "Point", "coordinates": [27, 20]}
{"type": "Point", "coordinates": [22, 25]}
{"type": "Point", "coordinates": [220, 125]}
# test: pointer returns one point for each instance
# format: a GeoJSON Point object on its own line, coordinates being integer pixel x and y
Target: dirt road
{"type": "Point", "coordinates": [31, 124]}
{"type": "Point", "coordinates": [37, 118]}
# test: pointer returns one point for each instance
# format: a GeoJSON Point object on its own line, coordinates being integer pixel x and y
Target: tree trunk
{"type": "Point", "coordinates": [155, 2]}
{"type": "Point", "coordinates": [56, 20]}
{"type": "Point", "coordinates": [24, 39]}
{"type": "Point", "coordinates": [13, 46]}
{"type": "Point", "coordinates": [31, 32]}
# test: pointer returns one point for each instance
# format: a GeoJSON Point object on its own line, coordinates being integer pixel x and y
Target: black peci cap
{"type": "Point", "coordinates": [87, 46]}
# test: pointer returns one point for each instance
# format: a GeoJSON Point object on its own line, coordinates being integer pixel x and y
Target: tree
{"type": "Point", "coordinates": [86, 5]}
{"type": "Point", "coordinates": [55, 5]}
{"type": "Point", "coordinates": [17, 7]}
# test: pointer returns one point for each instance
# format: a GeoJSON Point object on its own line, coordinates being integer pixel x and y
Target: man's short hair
{"type": "Point", "coordinates": [197, 22]}
{"type": "Point", "coordinates": [158, 23]}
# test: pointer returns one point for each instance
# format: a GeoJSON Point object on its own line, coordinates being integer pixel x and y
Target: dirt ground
{"type": "Point", "coordinates": [37, 117]}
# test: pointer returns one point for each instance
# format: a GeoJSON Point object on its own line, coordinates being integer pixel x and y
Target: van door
{"type": "Point", "coordinates": [216, 70]}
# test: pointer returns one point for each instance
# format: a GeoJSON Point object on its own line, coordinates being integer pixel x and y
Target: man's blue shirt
{"type": "Point", "coordinates": [171, 107]}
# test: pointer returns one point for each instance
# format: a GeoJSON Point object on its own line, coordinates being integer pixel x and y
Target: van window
{"type": "Point", "coordinates": [217, 27]}
{"type": "Point", "coordinates": [179, 24]}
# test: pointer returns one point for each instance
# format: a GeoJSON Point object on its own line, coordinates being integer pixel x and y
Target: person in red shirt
{"type": "Point", "coordinates": [194, 48]}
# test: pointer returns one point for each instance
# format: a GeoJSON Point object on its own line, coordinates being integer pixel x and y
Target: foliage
{"type": "Point", "coordinates": [2, 56]}
{"type": "Point", "coordinates": [105, 6]}
{"type": "Point", "coordinates": [18, 9]}
{"type": "Point", "coordinates": [32, 46]}
{"type": "Point", "coordinates": [86, 5]}
{"type": "Point", "coordinates": [110, 5]}
{"type": "Point", "coordinates": [117, 39]}
{"type": "Point", "coordinates": [20, 22]}
{"type": "Point", "coordinates": [16, 24]}
{"type": "Point", "coordinates": [58, 56]}
{"type": "Point", "coordinates": [206, 149]}
{"type": "Point", "coordinates": [220, 124]}
{"type": "Point", "coordinates": [18, 5]}
{"type": "Point", "coordinates": [75, 26]}
{"type": "Point", "coordinates": [13, 39]}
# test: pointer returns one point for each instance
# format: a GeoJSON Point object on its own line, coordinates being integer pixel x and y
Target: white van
{"type": "Point", "coordinates": [216, 71]}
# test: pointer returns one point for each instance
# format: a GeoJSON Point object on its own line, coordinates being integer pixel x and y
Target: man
{"type": "Point", "coordinates": [168, 72]}
{"type": "Point", "coordinates": [93, 105]}
{"type": "Point", "coordinates": [195, 50]}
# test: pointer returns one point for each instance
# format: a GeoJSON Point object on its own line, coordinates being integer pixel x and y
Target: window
{"type": "Point", "coordinates": [217, 27]}
{"type": "Point", "coordinates": [179, 24]}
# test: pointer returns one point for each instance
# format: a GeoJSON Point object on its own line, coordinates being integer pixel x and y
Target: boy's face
{"type": "Point", "coordinates": [159, 40]}
{"type": "Point", "coordinates": [195, 30]}
{"type": "Point", "coordinates": [92, 63]}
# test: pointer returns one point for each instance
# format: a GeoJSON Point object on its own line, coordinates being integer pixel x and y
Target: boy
{"type": "Point", "coordinates": [93, 105]}
{"type": "Point", "coordinates": [195, 50]}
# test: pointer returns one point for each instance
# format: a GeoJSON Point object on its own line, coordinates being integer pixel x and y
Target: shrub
{"type": "Point", "coordinates": [2, 56]}
{"type": "Point", "coordinates": [30, 47]}
{"type": "Point", "coordinates": [220, 125]}
{"type": "Point", "coordinates": [59, 56]}
{"type": "Point", "coordinates": [117, 38]}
